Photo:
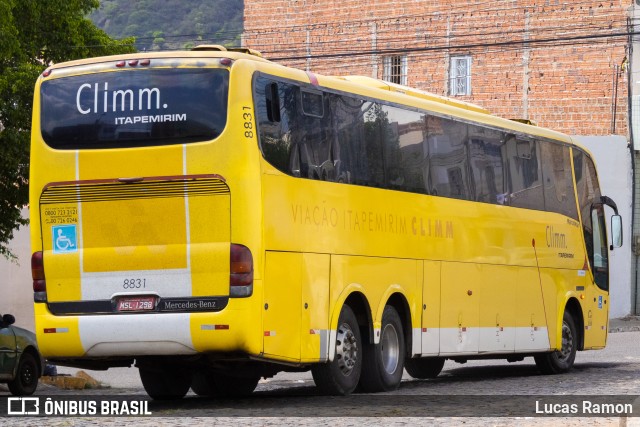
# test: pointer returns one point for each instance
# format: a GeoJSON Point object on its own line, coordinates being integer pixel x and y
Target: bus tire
{"type": "Point", "coordinates": [561, 361]}
{"type": "Point", "coordinates": [26, 380]}
{"type": "Point", "coordinates": [424, 368]}
{"type": "Point", "coordinates": [383, 363]}
{"type": "Point", "coordinates": [219, 384]}
{"type": "Point", "coordinates": [166, 382]}
{"type": "Point", "coordinates": [340, 376]}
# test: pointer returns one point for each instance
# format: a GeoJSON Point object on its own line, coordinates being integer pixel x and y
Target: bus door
{"type": "Point", "coordinates": [598, 290]}
{"type": "Point", "coordinates": [597, 316]}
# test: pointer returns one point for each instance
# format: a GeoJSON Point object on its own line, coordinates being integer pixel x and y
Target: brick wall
{"type": "Point", "coordinates": [560, 79]}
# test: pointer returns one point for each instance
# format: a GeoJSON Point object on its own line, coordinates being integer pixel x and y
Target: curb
{"type": "Point", "coordinates": [629, 328]}
{"type": "Point", "coordinates": [625, 324]}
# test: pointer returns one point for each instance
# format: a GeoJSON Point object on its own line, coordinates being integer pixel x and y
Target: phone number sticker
{"type": "Point", "coordinates": [61, 215]}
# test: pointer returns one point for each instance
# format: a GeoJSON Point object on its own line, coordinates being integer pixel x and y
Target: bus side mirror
{"type": "Point", "coordinates": [616, 231]}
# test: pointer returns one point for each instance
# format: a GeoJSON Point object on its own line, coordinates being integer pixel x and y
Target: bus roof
{"type": "Point", "coordinates": [213, 51]}
{"type": "Point", "coordinates": [393, 87]}
{"type": "Point", "coordinates": [451, 106]}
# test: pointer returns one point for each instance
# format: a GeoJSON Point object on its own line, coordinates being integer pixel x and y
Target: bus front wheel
{"type": "Point", "coordinates": [340, 376]}
{"type": "Point", "coordinates": [561, 361]}
{"type": "Point", "coordinates": [383, 363]}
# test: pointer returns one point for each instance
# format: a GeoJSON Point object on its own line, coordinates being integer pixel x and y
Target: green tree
{"type": "Point", "coordinates": [34, 34]}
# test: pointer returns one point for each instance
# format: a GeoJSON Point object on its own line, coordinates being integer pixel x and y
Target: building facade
{"type": "Point", "coordinates": [559, 63]}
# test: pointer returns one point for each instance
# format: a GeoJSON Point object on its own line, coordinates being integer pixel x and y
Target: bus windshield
{"type": "Point", "coordinates": [134, 108]}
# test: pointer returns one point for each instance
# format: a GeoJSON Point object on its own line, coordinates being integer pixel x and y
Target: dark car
{"type": "Point", "coordinates": [20, 361]}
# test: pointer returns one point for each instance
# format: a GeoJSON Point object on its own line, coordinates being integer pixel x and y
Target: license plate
{"type": "Point", "coordinates": [136, 303]}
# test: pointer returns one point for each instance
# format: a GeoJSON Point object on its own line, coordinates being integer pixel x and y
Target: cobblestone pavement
{"type": "Point", "coordinates": [491, 385]}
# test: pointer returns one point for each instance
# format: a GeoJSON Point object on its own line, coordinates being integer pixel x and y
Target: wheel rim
{"type": "Point", "coordinates": [27, 376]}
{"type": "Point", "coordinates": [567, 343]}
{"type": "Point", "coordinates": [390, 348]}
{"type": "Point", "coordinates": [346, 349]}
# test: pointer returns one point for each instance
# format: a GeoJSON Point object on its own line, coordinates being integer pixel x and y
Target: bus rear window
{"type": "Point", "coordinates": [134, 108]}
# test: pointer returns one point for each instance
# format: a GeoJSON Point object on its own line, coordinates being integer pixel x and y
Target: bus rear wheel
{"type": "Point", "coordinates": [383, 363]}
{"type": "Point", "coordinates": [165, 382]}
{"type": "Point", "coordinates": [424, 368]}
{"type": "Point", "coordinates": [340, 376]}
{"type": "Point", "coordinates": [219, 384]}
{"type": "Point", "coordinates": [561, 361]}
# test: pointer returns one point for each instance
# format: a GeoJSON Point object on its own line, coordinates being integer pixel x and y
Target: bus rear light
{"type": "Point", "coordinates": [240, 271]}
{"type": "Point", "coordinates": [39, 286]}
{"type": "Point", "coordinates": [37, 266]}
{"type": "Point", "coordinates": [37, 274]}
{"type": "Point", "coordinates": [133, 62]}
{"type": "Point", "coordinates": [226, 61]}
{"type": "Point", "coordinates": [47, 72]}
{"type": "Point", "coordinates": [145, 62]}
{"type": "Point", "coordinates": [121, 64]}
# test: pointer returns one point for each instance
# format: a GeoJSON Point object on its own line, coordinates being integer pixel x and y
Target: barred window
{"type": "Point", "coordinates": [460, 75]}
{"type": "Point", "coordinates": [395, 69]}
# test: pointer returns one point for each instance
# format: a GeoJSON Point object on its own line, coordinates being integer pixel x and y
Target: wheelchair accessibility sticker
{"type": "Point", "coordinates": [65, 239]}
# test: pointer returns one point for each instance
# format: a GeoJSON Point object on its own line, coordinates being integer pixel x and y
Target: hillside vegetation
{"type": "Point", "coordinates": [172, 24]}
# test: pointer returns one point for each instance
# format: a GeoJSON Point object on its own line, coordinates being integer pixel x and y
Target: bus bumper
{"type": "Point", "coordinates": [153, 334]}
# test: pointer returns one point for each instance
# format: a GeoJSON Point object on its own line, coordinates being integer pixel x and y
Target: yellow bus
{"type": "Point", "coordinates": [214, 218]}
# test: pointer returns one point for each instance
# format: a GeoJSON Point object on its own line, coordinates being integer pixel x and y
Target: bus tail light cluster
{"type": "Point", "coordinates": [37, 273]}
{"type": "Point", "coordinates": [241, 272]}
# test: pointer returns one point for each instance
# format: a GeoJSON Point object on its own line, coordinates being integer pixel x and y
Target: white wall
{"type": "Point", "coordinates": [613, 161]}
{"type": "Point", "coordinates": [16, 289]}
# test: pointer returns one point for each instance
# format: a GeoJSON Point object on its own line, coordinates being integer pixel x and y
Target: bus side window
{"type": "Point", "coordinates": [600, 258]}
{"type": "Point", "coordinates": [525, 179]}
{"type": "Point", "coordinates": [485, 153]}
{"type": "Point", "coordinates": [558, 183]}
{"type": "Point", "coordinates": [358, 145]}
{"type": "Point", "coordinates": [274, 133]}
{"type": "Point", "coordinates": [316, 138]}
{"type": "Point", "coordinates": [331, 124]}
{"type": "Point", "coordinates": [281, 129]}
{"type": "Point", "coordinates": [374, 124]}
{"type": "Point", "coordinates": [592, 214]}
{"type": "Point", "coordinates": [449, 173]}
{"type": "Point", "coordinates": [347, 115]}
{"type": "Point", "coordinates": [404, 159]}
